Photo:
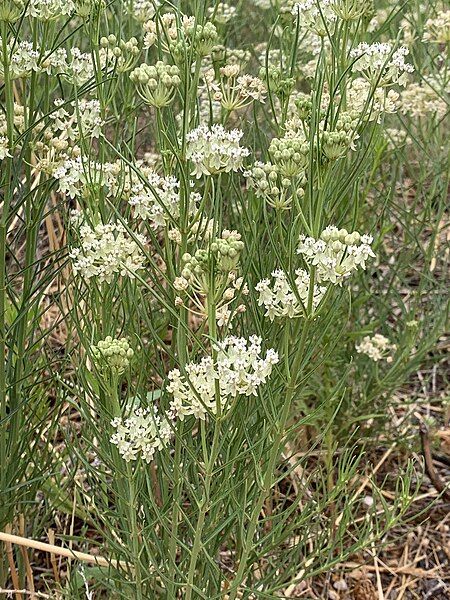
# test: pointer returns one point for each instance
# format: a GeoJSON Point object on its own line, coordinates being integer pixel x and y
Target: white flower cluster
{"type": "Point", "coordinates": [423, 100]}
{"type": "Point", "coordinates": [235, 91]}
{"type": "Point", "coordinates": [315, 16]}
{"type": "Point", "coordinates": [171, 29]}
{"type": "Point", "coordinates": [239, 369]}
{"type": "Point", "coordinates": [351, 10]}
{"type": "Point", "coordinates": [336, 254]}
{"type": "Point", "coordinates": [280, 300]}
{"type": "Point", "coordinates": [70, 174]}
{"type": "Point", "coordinates": [4, 147]}
{"type": "Point", "coordinates": [376, 347]}
{"type": "Point", "coordinates": [177, 35]}
{"type": "Point", "coordinates": [142, 10]}
{"type": "Point", "coordinates": [214, 150]}
{"type": "Point", "coordinates": [78, 67]}
{"type": "Point", "coordinates": [113, 354]}
{"type": "Point", "coordinates": [380, 63]}
{"type": "Point", "coordinates": [156, 84]}
{"type": "Point", "coordinates": [222, 12]}
{"type": "Point", "coordinates": [119, 54]}
{"type": "Point", "coordinates": [396, 138]}
{"type": "Point", "coordinates": [23, 59]}
{"type": "Point", "coordinates": [264, 4]}
{"type": "Point", "coordinates": [267, 182]}
{"type": "Point", "coordinates": [47, 10]}
{"type": "Point", "coordinates": [73, 174]}
{"type": "Point", "coordinates": [159, 199]}
{"type": "Point", "coordinates": [107, 250]}
{"type": "Point", "coordinates": [84, 119]}
{"type": "Point", "coordinates": [141, 434]}
{"type": "Point", "coordinates": [362, 98]}
{"type": "Point", "coordinates": [437, 30]}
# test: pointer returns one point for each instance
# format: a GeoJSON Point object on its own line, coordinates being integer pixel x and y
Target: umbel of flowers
{"type": "Point", "coordinates": [156, 84]}
{"type": "Point", "coordinates": [141, 434]}
{"type": "Point", "coordinates": [336, 254]}
{"type": "Point", "coordinates": [381, 64]}
{"type": "Point", "coordinates": [377, 347]}
{"type": "Point", "coordinates": [238, 370]}
{"type": "Point", "coordinates": [107, 250]}
{"type": "Point", "coordinates": [215, 150]}
{"type": "Point", "coordinates": [113, 354]}
{"type": "Point", "coordinates": [281, 298]}
{"type": "Point", "coordinates": [212, 272]}
{"type": "Point", "coordinates": [214, 263]}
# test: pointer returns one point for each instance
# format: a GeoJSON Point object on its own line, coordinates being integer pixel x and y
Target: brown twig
{"type": "Point", "coordinates": [12, 566]}
{"type": "Point", "coordinates": [81, 556]}
{"type": "Point", "coordinates": [26, 560]}
{"type": "Point", "coordinates": [429, 466]}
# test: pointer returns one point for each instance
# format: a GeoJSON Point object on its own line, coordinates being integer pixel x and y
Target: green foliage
{"type": "Point", "coordinates": [135, 232]}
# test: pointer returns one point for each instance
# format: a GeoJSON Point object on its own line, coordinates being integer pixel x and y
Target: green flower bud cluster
{"type": "Point", "coordinates": [113, 354]}
{"type": "Point", "coordinates": [204, 38]}
{"type": "Point", "coordinates": [87, 8]}
{"type": "Point", "coordinates": [304, 105]}
{"type": "Point", "coordinates": [336, 143]}
{"type": "Point", "coordinates": [277, 83]}
{"type": "Point", "coordinates": [340, 236]}
{"type": "Point", "coordinates": [124, 53]}
{"type": "Point", "coordinates": [290, 155]}
{"type": "Point", "coordinates": [157, 83]}
{"type": "Point", "coordinates": [230, 56]}
{"type": "Point", "coordinates": [227, 250]}
{"type": "Point", "coordinates": [11, 10]}
{"type": "Point", "coordinates": [220, 258]}
{"type": "Point", "coordinates": [267, 182]}
{"type": "Point", "coordinates": [352, 10]}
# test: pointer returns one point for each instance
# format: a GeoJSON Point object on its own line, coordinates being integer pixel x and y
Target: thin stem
{"type": "Point", "coordinates": [7, 165]}
{"type": "Point", "coordinates": [268, 478]}
{"type": "Point", "coordinates": [205, 502]}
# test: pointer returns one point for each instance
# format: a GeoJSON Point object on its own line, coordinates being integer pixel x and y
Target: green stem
{"type": "Point", "coordinates": [204, 507]}
{"type": "Point", "coordinates": [205, 502]}
{"type": "Point", "coordinates": [268, 478]}
{"type": "Point", "coordinates": [134, 533]}
{"type": "Point", "coordinates": [7, 198]}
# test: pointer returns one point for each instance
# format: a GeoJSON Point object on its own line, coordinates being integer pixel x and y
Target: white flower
{"type": "Point", "coordinates": [396, 138]}
{"type": "Point", "coordinates": [376, 347]}
{"type": "Point", "coordinates": [142, 10]}
{"type": "Point", "coordinates": [362, 98]}
{"type": "Point", "coordinates": [222, 12]}
{"type": "Point", "coordinates": [79, 68]}
{"type": "Point", "coordinates": [438, 29]}
{"type": "Point", "coordinates": [238, 370]}
{"type": "Point", "coordinates": [215, 150]}
{"type": "Point", "coordinates": [4, 147]}
{"type": "Point", "coordinates": [46, 10]}
{"type": "Point", "coordinates": [280, 300]}
{"type": "Point", "coordinates": [23, 59]}
{"type": "Point", "coordinates": [141, 434]}
{"type": "Point", "coordinates": [380, 63]}
{"type": "Point", "coordinates": [84, 120]}
{"type": "Point", "coordinates": [159, 200]}
{"type": "Point", "coordinates": [70, 174]}
{"type": "Point", "coordinates": [314, 15]}
{"type": "Point", "coordinates": [423, 100]}
{"type": "Point", "coordinates": [336, 254]}
{"type": "Point", "coordinates": [107, 250]}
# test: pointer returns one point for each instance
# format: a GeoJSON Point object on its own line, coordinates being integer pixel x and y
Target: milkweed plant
{"type": "Point", "coordinates": [222, 253]}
